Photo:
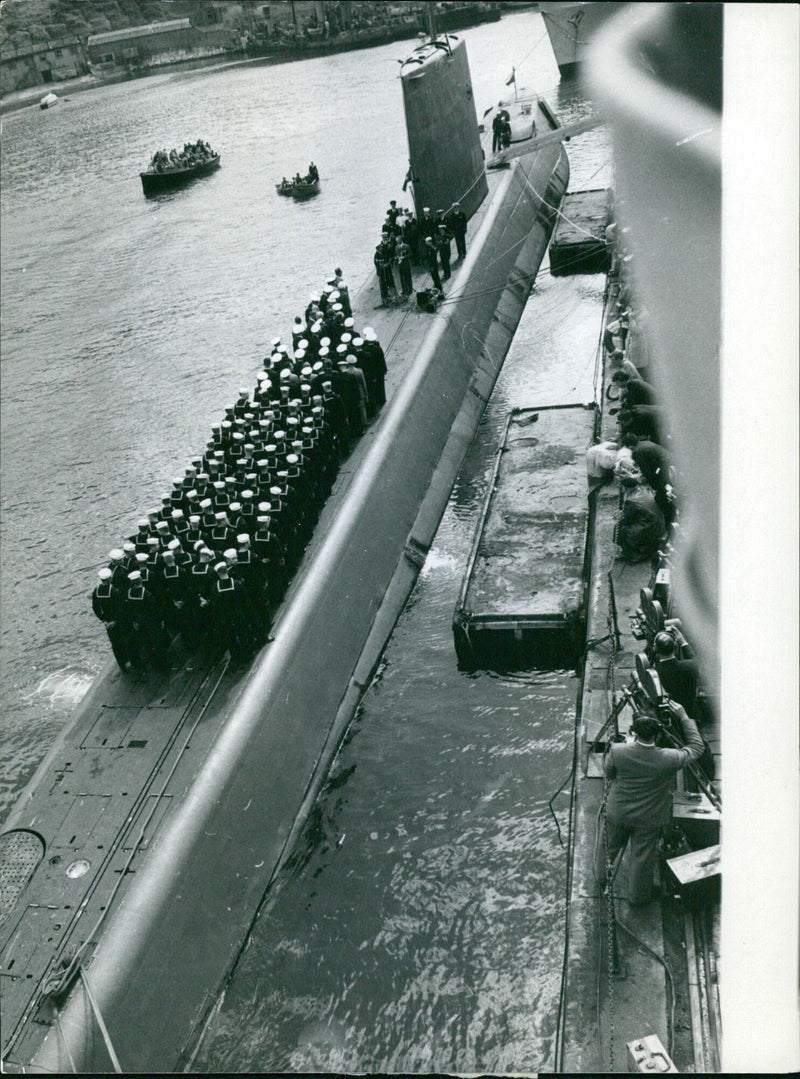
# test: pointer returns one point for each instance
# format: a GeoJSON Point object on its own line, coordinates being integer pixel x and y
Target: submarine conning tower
{"type": "Point", "coordinates": [443, 138]}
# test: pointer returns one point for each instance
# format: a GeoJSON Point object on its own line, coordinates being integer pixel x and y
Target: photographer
{"type": "Point", "coordinates": [639, 802]}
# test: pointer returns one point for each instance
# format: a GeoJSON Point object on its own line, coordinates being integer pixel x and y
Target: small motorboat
{"type": "Point", "coordinates": [284, 187]}
{"type": "Point", "coordinates": [155, 181]}
{"type": "Point", "coordinates": [48, 101]}
{"type": "Point", "coordinates": [305, 189]}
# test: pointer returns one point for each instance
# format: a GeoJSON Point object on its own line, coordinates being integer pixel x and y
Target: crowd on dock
{"type": "Point", "coordinates": [211, 563]}
{"type": "Point", "coordinates": [193, 153]}
{"type": "Point", "coordinates": [426, 242]}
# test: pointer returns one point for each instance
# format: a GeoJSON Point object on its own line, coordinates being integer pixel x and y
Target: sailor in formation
{"type": "Point", "coordinates": [212, 562]}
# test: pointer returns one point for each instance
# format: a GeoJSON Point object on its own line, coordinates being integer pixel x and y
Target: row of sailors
{"type": "Point", "coordinates": [266, 472]}
{"type": "Point", "coordinates": [201, 596]}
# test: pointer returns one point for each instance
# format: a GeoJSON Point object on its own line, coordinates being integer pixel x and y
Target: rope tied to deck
{"type": "Point", "coordinates": [100, 1021]}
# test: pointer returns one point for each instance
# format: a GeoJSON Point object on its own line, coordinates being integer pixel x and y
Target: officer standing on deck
{"type": "Point", "coordinates": [639, 803]}
{"type": "Point", "coordinates": [457, 220]}
{"type": "Point", "coordinates": [430, 253]}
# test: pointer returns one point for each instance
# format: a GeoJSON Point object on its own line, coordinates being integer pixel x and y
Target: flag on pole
{"type": "Point", "coordinates": [408, 180]}
{"type": "Point", "coordinates": [512, 77]}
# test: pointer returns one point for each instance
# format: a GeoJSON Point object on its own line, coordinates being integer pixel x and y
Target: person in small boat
{"type": "Point", "coordinates": [298, 179]}
{"type": "Point", "coordinates": [313, 173]}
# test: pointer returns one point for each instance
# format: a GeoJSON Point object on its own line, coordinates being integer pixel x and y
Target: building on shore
{"type": "Point", "coordinates": [41, 63]}
{"type": "Point", "coordinates": [156, 44]}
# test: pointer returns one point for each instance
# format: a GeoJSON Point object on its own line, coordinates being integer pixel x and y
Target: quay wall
{"type": "Point", "coordinates": [171, 944]}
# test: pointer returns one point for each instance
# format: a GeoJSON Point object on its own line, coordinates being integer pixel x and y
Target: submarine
{"type": "Point", "coordinates": [139, 855]}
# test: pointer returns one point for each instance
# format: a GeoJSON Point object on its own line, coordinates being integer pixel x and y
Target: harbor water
{"type": "Point", "coordinates": [418, 926]}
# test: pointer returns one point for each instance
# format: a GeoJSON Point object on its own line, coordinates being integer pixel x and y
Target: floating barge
{"type": "Point", "coordinates": [579, 241]}
{"type": "Point", "coordinates": [523, 597]}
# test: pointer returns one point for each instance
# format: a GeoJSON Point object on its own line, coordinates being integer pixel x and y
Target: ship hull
{"type": "Point", "coordinates": [571, 27]}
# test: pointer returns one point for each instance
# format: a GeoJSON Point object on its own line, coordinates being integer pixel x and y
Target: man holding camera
{"type": "Point", "coordinates": [639, 802]}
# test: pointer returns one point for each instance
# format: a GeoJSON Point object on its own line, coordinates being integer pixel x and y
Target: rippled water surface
{"type": "Point", "coordinates": [419, 924]}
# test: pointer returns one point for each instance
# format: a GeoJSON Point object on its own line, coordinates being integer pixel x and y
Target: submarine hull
{"type": "Point", "coordinates": [173, 800]}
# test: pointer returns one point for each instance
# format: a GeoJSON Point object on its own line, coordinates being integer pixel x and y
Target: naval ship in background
{"type": "Point", "coordinates": [138, 856]}
{"type": "Point", "coordinates": [571, 26]}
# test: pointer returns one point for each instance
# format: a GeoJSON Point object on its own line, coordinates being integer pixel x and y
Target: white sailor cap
{"type": "Point", "coordinates": [275, 490]}
{"type": "Point", "coordinates": [338, 307]}
{"type": "Point", "coordinates": [153, 541]}
{"type": "Point", "coordinates": [162, 526]}
{"type": "Point", "coordinates": [134, 576]}
{"type": "Point", "coordinates": [235, 507]}
{"type": "Point", "coordinates": [238, 436]}
{"type": "Point", "coordinates": [342, 286]}
{"type": "Point", "coordinates": [230, 554]}
{"type": "Point", "coordinates": [285, 374]}
{"type": "Point", "coordinates": [206, 504]}
{"type": "Point", "coordinates": [218, 485]}
{"type": "Point", "coordinates": [105, 574]}
{"type": "Point", "coordinates": [351, 358]}
{"type": "Point", "coordinates": [166, 498]}
{"type": "Point", "coordinates": [265, 507]}
{"type": "Point", "coordinates": [247, 495]}
{"type": "Point", "coordinates": [221, 568]}
{"type": "Point", "coordinates": [206, 554]}
{"type": "Point", "coordinates": [263, 519]}
{"type": "Point", "coordinates": [275, 342]}
{"type": "Point", "coordinates": [176, 514]}
{"type": "Point", "coordinates": [191, 495]}
{"type": "Point", "coordinates": [346, 338]}
{"type": "Point", "coordinates": [305, 388]}
{"type": "Point", "coordinates": [116, 555]}
{"type": "Point", "coordinates": [349, 323]}
{"type": "Point", "coordinates": [143, 522]}
{"type": "Point", "coordinates": [327, 385]}
{"type": "Point", "coordinates": [293, 420]}
{"type": "Point", "coordinates": [426, 209]}
{"type": "Point", "coordinates": [341, 349]}
{"type": "Point", "coordinates": [221, 516]}
{"type": "Point", "coordinates": [243, 540]}
{"type": "Point", "coordinates": [202, 477]}
{"type": "Point", "coordinates": [291, 459]}
{"type": "Point", "coordinates": [279, 436]}
{"type": "Point", "coordinates": [244, 391]}
{"type": "Point", "coordinates": [141, 557]}
{"type": "Point", "coordinates": [194, 519]}
{"type": "Point", "coordinates": [128, 547]}
{"type": "Point", "coordinates": [369, 334]}
{"type": "Point", "coordinates": [189, 471]}
{"type": "Point", "coordinates": [174, 545]}
{"type": "Point", "coordinates": [358, 342]}
{"type": "Point", "coordinates": [168, 556]}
